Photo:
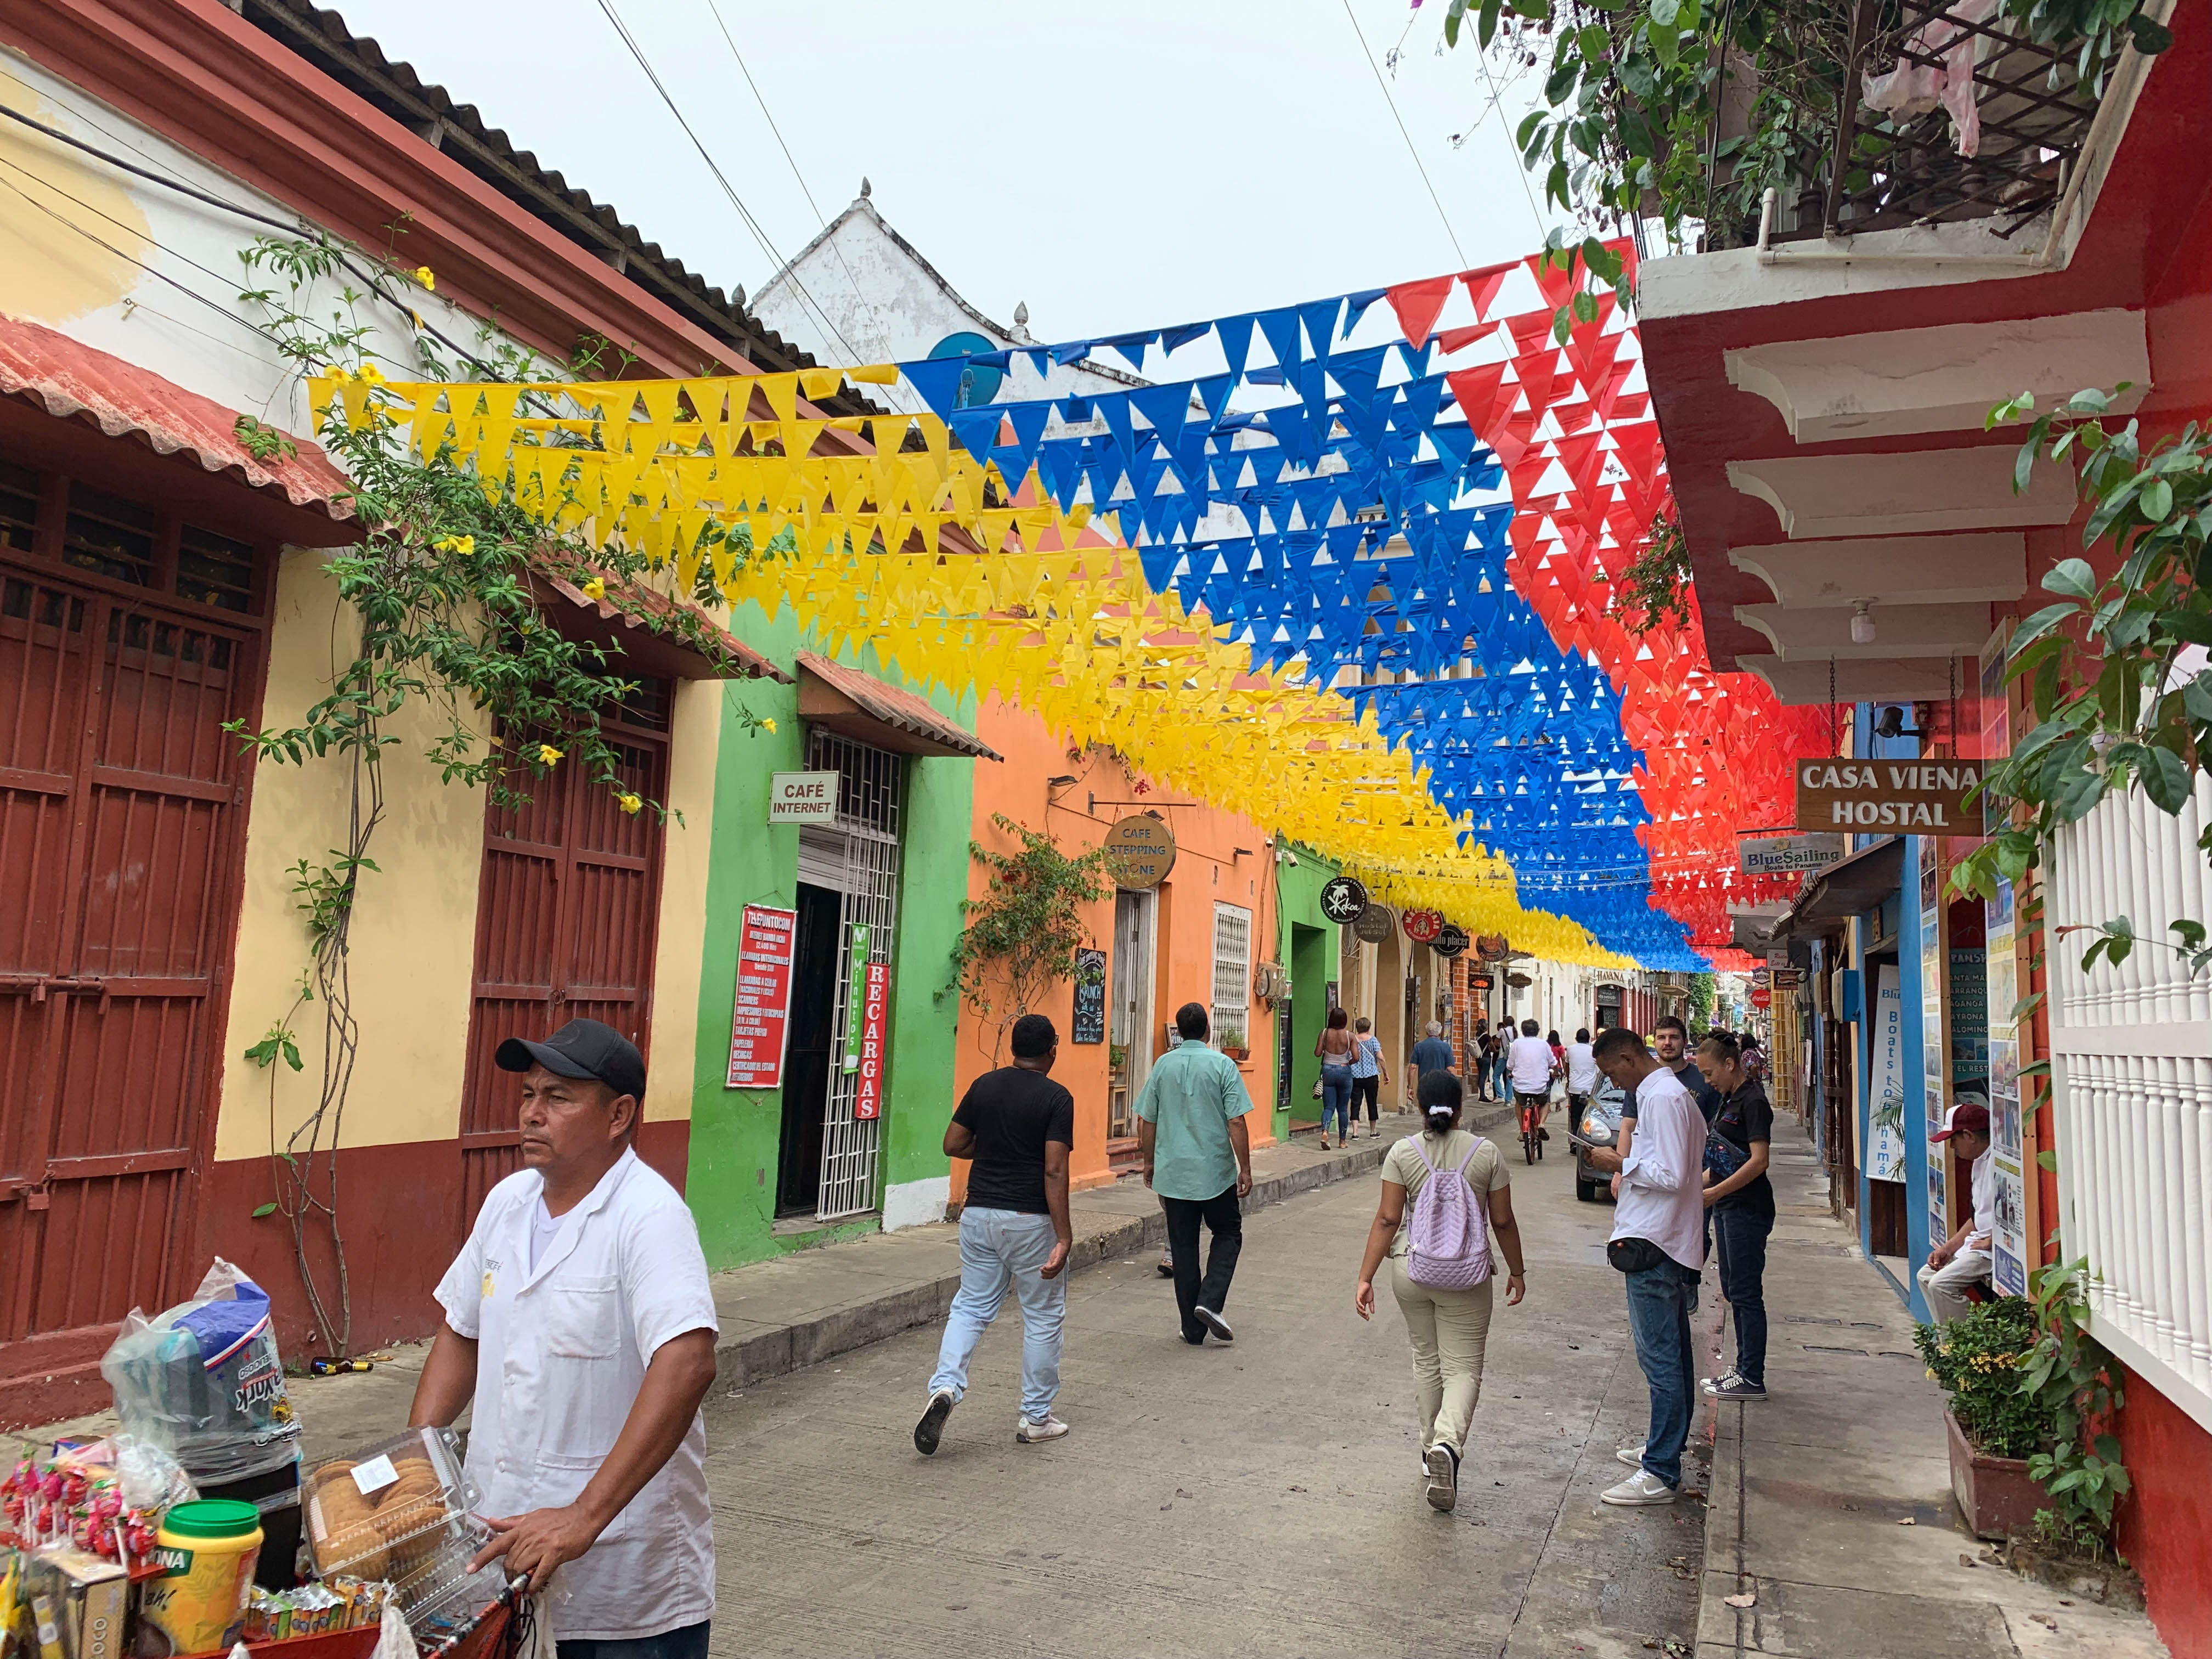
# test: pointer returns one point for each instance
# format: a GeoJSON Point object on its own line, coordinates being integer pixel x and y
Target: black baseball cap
{"type": "Point", "coordinates": [582, 1047]}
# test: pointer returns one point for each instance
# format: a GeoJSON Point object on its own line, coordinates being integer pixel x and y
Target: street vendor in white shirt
{"type": "Point", "coordinates": [578, 1317]}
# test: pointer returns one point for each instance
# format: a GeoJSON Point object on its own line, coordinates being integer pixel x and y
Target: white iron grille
{"type": "Point", "coordinates": [872, 783]}
{"type": "Point", "coordinates": [1232, 971]}
{"type": "Point", "coordinates": [2132, 1064]}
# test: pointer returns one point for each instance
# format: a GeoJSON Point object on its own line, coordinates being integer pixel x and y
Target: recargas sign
{"type": "Point", "coordinates": [1917, 797]}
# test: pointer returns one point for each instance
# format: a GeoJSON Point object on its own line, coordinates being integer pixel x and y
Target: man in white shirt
{"type": "Point", "coordinates": [579, 1319]}
{"type": "Point", "coordinates": [1658, 1243]}
{"type": "Point", "coordinates": [1582, 1076]}
{"type": "Point", "coordinates": [1964, 1258]}
{"type": "Point", "coordinates": [1529, 1062]}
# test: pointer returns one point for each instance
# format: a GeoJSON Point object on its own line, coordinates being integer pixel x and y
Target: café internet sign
{"type": "Point", "coordinates": [1911, 796]}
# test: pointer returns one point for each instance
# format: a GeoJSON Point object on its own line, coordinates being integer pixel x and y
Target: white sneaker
{"type": "Point", "coordinates": [1442, 1470]}
{"type": "Point", "coordinates": [1031, 1433]}
{"type": "Point", "coordinates": [1631, 1456]}
{"type": "Point", "coordinates": [1214, 1322]}
{"type": "Point", "coordinates": [931, 1429]}
{"type": "Point", "coordinates": [1641, 1489]}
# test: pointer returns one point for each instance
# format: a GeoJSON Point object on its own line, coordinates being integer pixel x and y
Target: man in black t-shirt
{"type": "Point", "coordinates": [1742, 1208]}
{"type": "Point", "coordinates": [1017, 1126]}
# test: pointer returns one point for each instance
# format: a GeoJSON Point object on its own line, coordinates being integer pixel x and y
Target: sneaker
{"type": "Point", "coordinates": [931, 1429]}
{"type": "Point", "coordinates": [1032, 1430]}
{"type": "Point", "coordinates": [1734, 1388]}
{"type": "Point", "coordinates": [1631, 1456]}
{"type": "Point", "coordinates": [1715, 1384]}
{"type": "Point", "coordinates": [1641, 1489]}
{"type": "Point", "coordinates": [1214, 1322]}
{"type": "Point", "coordinates": [1164, 1267]}
{"type": "Point", "coordinates": [1441, 1465]}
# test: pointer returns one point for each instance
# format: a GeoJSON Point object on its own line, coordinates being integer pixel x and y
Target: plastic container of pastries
{"type": "Point", "coordinates": [400, 1511]}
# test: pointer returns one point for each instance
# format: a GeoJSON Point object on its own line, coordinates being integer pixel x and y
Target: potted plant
{"type": "Point", "coordinates": [1232, 1044]}
{"type": "Point", "coordinates": [1995, 1423]}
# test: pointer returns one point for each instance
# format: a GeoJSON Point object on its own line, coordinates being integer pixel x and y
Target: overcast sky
{"type": "Point", "coordinates": [1121, 164]}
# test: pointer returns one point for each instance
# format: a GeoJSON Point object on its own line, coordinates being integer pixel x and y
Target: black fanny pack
{"type": "Point", "coordinates": [1634, 1255]}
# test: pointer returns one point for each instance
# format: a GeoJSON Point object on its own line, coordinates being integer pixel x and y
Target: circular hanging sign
{"type": "Point", "coordinates": [1761, 997]}
{"type": "Point", "coordinates": [1422, 926]}
{"type": "Point", "coordinates": [1493, 947]}
{"type": "Point", "coordinates": [1140, 851]}
{"type": "Point", "coordinates": [1373, 924]}
{"type": "Point", "coordinates": [1342, 899]}
{"type": "Point", "coordinates": [1451, 941]}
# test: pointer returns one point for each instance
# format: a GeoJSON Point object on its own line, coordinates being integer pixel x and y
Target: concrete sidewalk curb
{"type": "Point", "coordinates": [757, 1356]}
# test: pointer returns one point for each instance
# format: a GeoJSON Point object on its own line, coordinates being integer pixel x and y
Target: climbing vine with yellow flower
{"type": "Point", "coordinates": [456, 589]}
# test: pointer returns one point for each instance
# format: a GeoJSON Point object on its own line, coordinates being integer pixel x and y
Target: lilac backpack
{"type": "Point", "coordinates": [1449, 1247]}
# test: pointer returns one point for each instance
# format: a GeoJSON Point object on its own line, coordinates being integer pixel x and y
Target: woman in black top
{"type": "Point", "coordinates": [1741, 1206]}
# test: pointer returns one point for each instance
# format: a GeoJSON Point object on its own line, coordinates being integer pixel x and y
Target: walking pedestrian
{"type": "Point", "coordinates": [1741, 1205]}
{"type": "Point", "coordinates": [1530, 1062]}
{"type": "Point", "coordinates": [1440, 1268]}
{"type": "Point", "coordinates": [1963, 1259]}
{"type": "Point", "coordinates": [1658, 1244]}
{"type": "Point", "coordinates": [1431, 1053]}
{"type": "Point", "coordinates": [1370, 1076]}
{"type": "Point", "coordinates": [1581, 1078]}
{"type": "Point", "coordinates": [1485, 1053]}
{"type": "Point", "coordinates": [579, 1321]}
{"type": "Point", "coordinates": [1501, 1063]}
{"type": "Point", "coordinates": [1335, 1048]}
{"type": "Point", "coordinates": [1015, 1126]}
{"type": "Point", "coordinates": [1197, 1152]}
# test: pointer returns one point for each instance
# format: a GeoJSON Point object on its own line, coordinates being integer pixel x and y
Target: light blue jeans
{"type": "Point", "coordinates": [999, 1248]}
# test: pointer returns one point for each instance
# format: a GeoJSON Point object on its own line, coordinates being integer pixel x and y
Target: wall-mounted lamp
{"type": "Point", "coordinates": [1863, 622]}
{"type": "Point", "coordinates": [1889, 722]}
{"type": "Point", "coordinates": [1235, 853]}
{"type": "Point", "coordinates": [1060, 782]}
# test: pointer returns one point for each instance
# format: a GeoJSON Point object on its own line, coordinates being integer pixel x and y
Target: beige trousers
{"type": "Point", "coordinates": [1449, 1329]}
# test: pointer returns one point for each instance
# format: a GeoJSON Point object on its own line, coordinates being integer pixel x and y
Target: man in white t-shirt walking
{"type": "Point", "coordinates": [1963, 1259]}
{"type": "Point", "coordinates": [578, 1320]}
{"type": "Point", "coordinates": [1658, 1244]}
{"type": "Point", "coordinates": [1582, 1077]}
{"type": "Point", "coordinates": [1529, 1062]}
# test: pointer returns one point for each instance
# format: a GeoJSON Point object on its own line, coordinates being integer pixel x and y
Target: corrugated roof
{"type": "Point", "coordinates": [74, 381]}
{"type": "Point", "coordinates": [359, 64]}
{"type": "Point", "coordinates": [901, 711]}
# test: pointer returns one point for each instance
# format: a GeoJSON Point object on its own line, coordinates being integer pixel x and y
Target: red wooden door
{"type": "Point", "coordinates": [119, 801]}
{"type": "Point", "coordinates": [566, 920]}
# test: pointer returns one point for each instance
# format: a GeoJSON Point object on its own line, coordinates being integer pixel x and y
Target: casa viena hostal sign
{"type": "Point", "coordinates": [1909, 796]}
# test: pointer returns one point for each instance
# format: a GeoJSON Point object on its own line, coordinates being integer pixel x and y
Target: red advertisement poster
{"type": "Point", "coordinates": [763, 1015]}
{"type": "Point", "coordinates": [875, 1015]}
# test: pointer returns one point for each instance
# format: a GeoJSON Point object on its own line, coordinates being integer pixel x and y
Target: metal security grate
{"type": "Point", "coordinates": [1232, 971]}
{"type": "Point", "coordinates": [869, 796]}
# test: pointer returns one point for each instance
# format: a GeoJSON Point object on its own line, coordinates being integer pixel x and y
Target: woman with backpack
{"type": "Point", "coordinates": [1441, 1269]}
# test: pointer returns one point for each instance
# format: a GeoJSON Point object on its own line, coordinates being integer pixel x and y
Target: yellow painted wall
{"type": "Point", "coordinates": [414, 929]}
{"type": "Point", "coordinates": [49, 273]}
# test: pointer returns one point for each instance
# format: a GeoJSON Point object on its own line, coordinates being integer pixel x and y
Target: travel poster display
{"type": "Point", "coordinates": [2007, 1137]}
{"type": "Point", "coordinates": [761, 1017]}
{"type": "Point", "coordinates": [1935, 1053]}
{"type": "Point", "coordinates": [1887, 1144]}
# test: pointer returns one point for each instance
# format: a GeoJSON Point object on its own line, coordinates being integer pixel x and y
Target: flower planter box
{"type": "Point", "coordinates": [1994, 1494]}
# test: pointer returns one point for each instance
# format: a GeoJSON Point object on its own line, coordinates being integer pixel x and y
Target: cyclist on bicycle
{"type": "Point", "coordinates": [1529, 1061]}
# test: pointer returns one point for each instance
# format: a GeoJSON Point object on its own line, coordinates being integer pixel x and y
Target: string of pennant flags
{"type": "Point", "coordinates": [1350, 575]}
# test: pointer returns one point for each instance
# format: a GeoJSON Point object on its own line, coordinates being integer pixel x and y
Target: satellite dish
{"type": "Point", "coordinates": [980, 383]}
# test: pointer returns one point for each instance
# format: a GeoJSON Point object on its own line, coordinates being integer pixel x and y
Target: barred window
{"type": "Point", "coordinates": [1233, 975]}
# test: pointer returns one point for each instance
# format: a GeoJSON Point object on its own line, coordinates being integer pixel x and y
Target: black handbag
{"type": "Point", "coordinates": [1634, 1255]}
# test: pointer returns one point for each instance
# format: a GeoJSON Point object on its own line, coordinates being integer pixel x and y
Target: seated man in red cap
{"type": "Point", "coordinates": [1963, 1259]}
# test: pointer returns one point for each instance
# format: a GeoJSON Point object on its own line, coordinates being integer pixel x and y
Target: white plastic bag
{"type": "Point", "coordinates": [393, 1639]}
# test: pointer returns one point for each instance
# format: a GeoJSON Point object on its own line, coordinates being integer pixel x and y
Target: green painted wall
{"type": "Point", "coordinates": [1309, 948]}
{"type": "Point", "coordinates": [735, 1132]}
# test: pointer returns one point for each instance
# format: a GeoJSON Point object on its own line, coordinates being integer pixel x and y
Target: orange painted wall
{"type": "Point", "coordinates": [1207, 867]}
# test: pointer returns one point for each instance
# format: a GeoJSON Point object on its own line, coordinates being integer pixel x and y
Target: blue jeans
{"type": "Point", "coordinates": [1660, 1302]}
{"type": "Point", "coordinates": [1336, 1096]}
{"type": "Point", "coordinates": [1741, 1236]}
{"type": "Point", "coordinates": [999, 1248]}
{"type": "Point", "coordinates": [688, 1642]}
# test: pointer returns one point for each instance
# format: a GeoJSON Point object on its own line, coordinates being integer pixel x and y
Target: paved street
{"type": "Point", "coordinates": [1256, 1500]}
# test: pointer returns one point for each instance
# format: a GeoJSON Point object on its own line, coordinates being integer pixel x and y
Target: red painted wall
{"type": "Point", "coordinates": [2166, 1523]}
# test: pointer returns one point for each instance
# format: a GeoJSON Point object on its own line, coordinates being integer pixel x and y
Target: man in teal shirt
{"type": "Point", "coordinates": [1197, 1158]}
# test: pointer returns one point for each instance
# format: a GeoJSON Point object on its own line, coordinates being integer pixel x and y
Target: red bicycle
{"type": "Point", "coordinates": [1533, 1108]}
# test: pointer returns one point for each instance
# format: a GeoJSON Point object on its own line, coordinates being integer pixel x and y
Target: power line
{"type": "Point", "coordinates": [769, 116]}
{"type": "Point", "coordinates": [1497, 103]}
{"type": "Point", "coordinates": [722, 179]}
{"type": "Point", "coordinates": [1402, 133]}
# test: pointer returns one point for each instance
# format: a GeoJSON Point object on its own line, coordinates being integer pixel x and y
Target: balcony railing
{"type": "Point", "coordinates": [2132, 1066]}
{"type": "Point", "coordinates": [1942, 112]}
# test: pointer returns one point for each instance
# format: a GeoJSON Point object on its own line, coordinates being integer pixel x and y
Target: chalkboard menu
{"type": "Point", "coordinates": [1089, 997]}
